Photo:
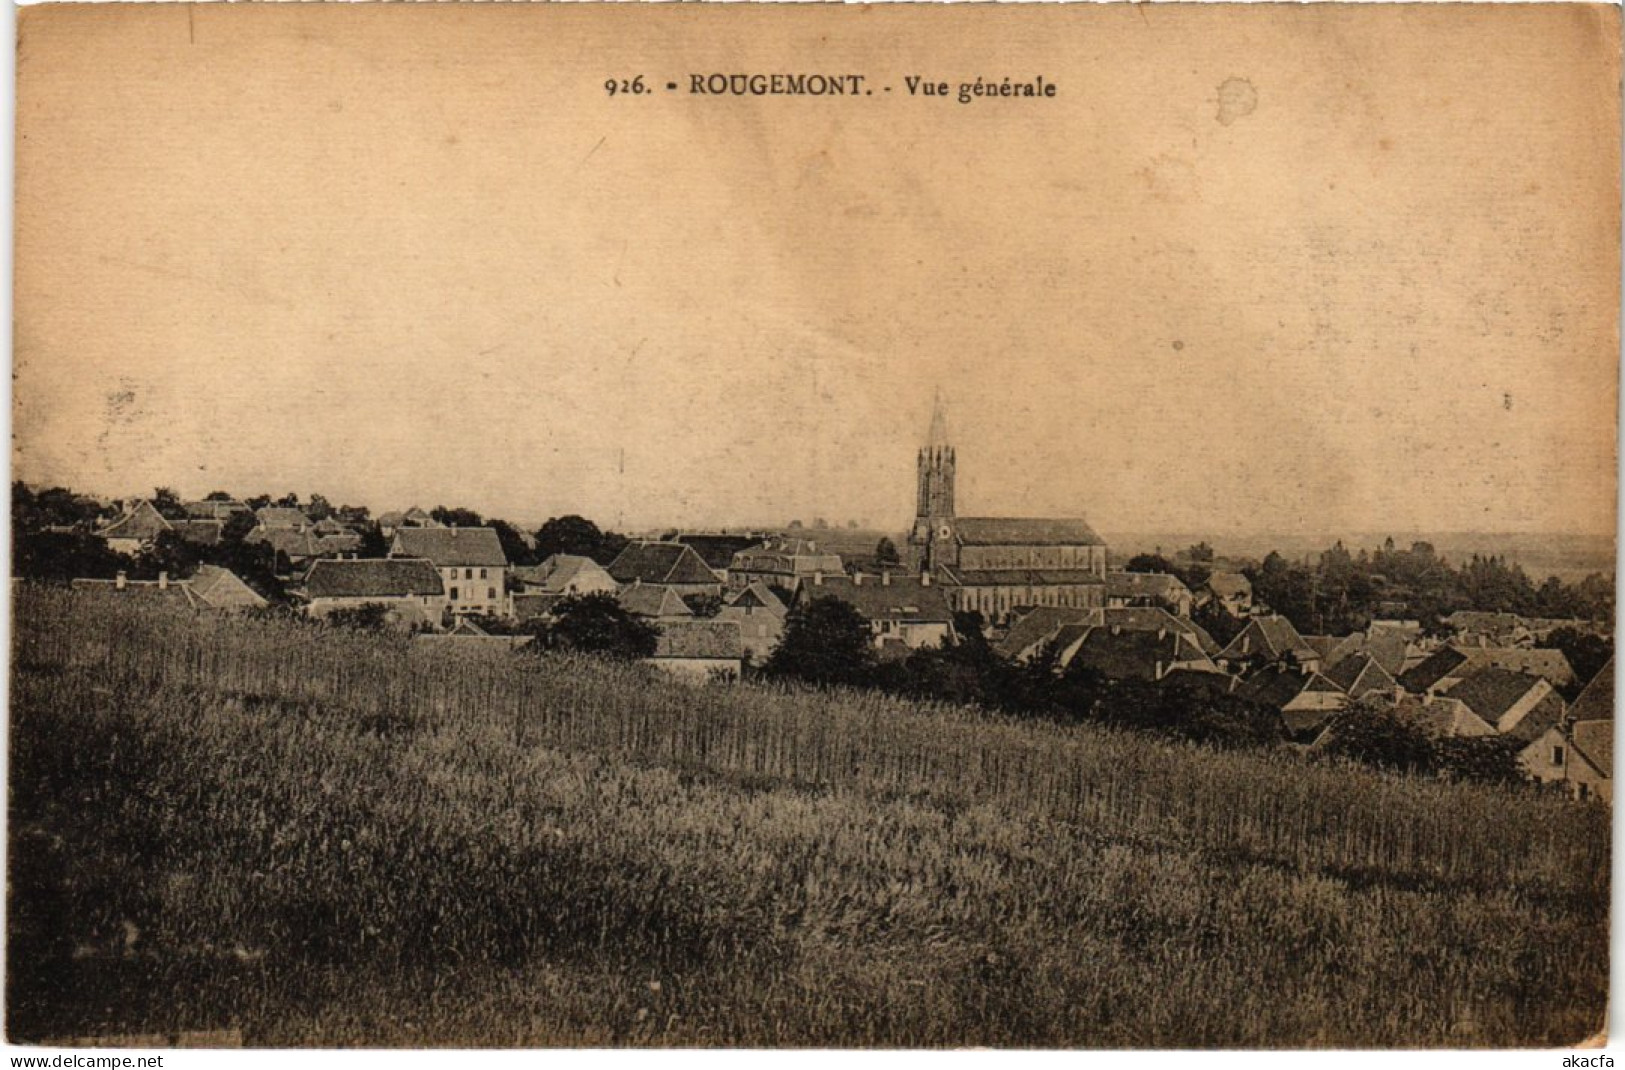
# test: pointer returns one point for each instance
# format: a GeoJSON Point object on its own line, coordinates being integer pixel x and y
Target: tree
{"type": "Point", "coordinates": [1201, 553]}
{"type": "Point", "coordinates": [1369, 732]}
{"type": "Point", "coordinates": [579, 536]}
{"type": "Point", "coordinates": [289, 500]}
{"type": "Point", "coordinates": [367, 617]}
{"type": "Point", "coordinates": [1149, 563]}
{"type": "Point", "coordinates": [168, 553]}
{"type": "Point", "coordinates": [456, 517]}
{"type": "Point", "coordinates": [886, 553]}
{"type": "Point", "coordinates": [599, 624]}
{"type": "Point", "coordinates": [515, 547]}
{"type": "Point", "coordinates": [1485, 759]}
{"type": "Point", "coordinates": [1587, 654]}
{"type": "Point", "coordinates": [58, 557]}
{"type": "Point", "coordinates": [217, 496]}
{"type": "Point", "coordinates": [825, 641]}
{"type": "Point", "coordinates": [168, 503]}
{"type": "Point", "coordinates": [319, 508]}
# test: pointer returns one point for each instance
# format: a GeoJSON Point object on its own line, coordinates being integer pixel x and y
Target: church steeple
{"type": "Point", "coordinates": [934, 507]}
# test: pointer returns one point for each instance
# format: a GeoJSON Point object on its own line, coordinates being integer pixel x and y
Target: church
{"type": "Point", "coordinates": [998, 564]}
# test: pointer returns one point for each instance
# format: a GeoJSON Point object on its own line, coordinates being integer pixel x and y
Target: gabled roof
{"type": "Point", "coordinates": [715, 639]}
{"type": "Point", "coordinates": [1277, 686]}
{"type": "Point", "coordinates": [281, 516]}
{"type": "Point", "coordinates": [1594, 739]}
{"type": "Point", "coordinates": [1334, 648]}
{"type": "Point", "coordinates": [390, 577]}
{"type": "Point", "coordinates": [1037, 626]}
{"type": "Point", "coordinates": [758, 595]}
{"type": "Point", "coordinates": [718, 550]}
{"type": "Point", "coordinates": [450, 547]}
{"type": "Point", "coordinates": [1023, 531]}
{"type": "Point", "coordinates": [1491, 692]}
{"type": "Point", "coordinates": [1135, 655]}
{"type": "Point", "coordinates": [171, 593]}
{"type": "Point", "coordinates": [1361, 675]}
{"type": "Point", "coordinates": [661, 562]}
{"type": "Point", "coordinates": [220, 588]}
{"type": "Point", "coordinates": [1269, 637]}
{"type": "Point", "coordinates": [1455, 660]}
{"type": "Point", "coordinates": [295, 544]}
{"type": "Point", "coordinates": [1483, 623]}
{"type": "Point", "coordinates": [559, 571]}
{"type": "Point", "coordinates": [653, 600]}
{"type": "Point", "coordinates": [1443, 716]}
{"type": "Point", "coordinates": [531, 606]}
{"type": "Point", "coordinates": [905, 599]}
{"type": "Point", "coordinates": [199, 532]}
{"type": "Point", "coordinates": [1596, 701]}
{"type": "Point", "coordinates": [214, 509]}
{"type": "Point", "coordinates": [143, 522]}
{"type": "Point", "coordinates": [789, 556]}
{"type": "Point", "coordinates": [464, 626]}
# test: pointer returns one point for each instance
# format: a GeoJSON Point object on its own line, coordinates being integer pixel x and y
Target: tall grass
{"type": "Point", "coordinates": [328, 838]}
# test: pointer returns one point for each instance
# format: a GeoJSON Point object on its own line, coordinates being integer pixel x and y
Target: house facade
{"type": "Point", "coordinates": [472, 565]}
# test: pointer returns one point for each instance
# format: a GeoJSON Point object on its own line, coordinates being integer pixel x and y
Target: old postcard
{"type": "Point", "coordinates": [750, 526]}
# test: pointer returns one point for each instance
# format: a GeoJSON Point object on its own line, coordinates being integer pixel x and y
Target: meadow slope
{"type": "Point", "coordinates": [328, 838]}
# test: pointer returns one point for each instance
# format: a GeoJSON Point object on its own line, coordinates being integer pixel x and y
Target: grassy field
{"type": "Point", "coordinates": [326, 838]}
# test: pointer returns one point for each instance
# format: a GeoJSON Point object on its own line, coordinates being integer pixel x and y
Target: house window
{"type": "Point", "coordinates": [468, 573]}
{"type": "Point", "coordinates": [483, 574]}
{"type": "Point", "coordinates": [1557, 755]}
{"type": "Point", "coordinates": [453, 593]}
{"type": "Point", "coordinates": [490, 592]}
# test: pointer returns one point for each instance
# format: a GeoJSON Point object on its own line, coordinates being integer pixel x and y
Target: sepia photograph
{"type": "Point", "coordinates": [750, 526]}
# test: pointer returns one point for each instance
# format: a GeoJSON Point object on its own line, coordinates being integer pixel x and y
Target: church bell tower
{"type": "Point", "coordinates": [934, 510]}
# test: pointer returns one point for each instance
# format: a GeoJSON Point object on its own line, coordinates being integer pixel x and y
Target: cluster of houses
{"type": "Point", "coordinates": [1041, 586]}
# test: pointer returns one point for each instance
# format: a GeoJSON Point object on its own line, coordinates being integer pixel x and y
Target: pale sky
{"type": "Point", "coordinates": [416, 255]}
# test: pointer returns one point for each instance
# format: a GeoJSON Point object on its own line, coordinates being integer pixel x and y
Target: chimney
{"type": "Point", "coordinates": [1158, 671]}
{"type": "Point", "coordinates": [818, 578]}
{"type": "Point", "coordinates": [885, 579]}
{"type": "Point", "coordinates": [121, 582]}
{"type": "Point", "coordinates": [812, 547]}
{"type": "Point", "coordinates": [857, 579]}
{"type": "Point", "coordinates": [925, 579]}
{"type": "Point", "coordinates": [1117, 629]}
{"type": "Point", "coordinates": [163, 581]}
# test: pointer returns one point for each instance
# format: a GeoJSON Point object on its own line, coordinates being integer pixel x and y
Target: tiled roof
{"type": "Point", "coordinates": [1276, 687]}
{"type": "Point", "coordinates": [281, 516]}
{"type": "Point", "coordinates": [220, 588]}
{"type": "Point", "coordinates": [450, 547]}
{"type": "Point", "coordinates": [1595, 740]}
{"type": "Point", "coordinates": [1038, 625]}
{"type": "Point", "coordinates": [1270, 637]}
{"type": "Point", "coordinates": [653, 600]}
{"type": "Point", "coordinates": [661, 562]}
{"type": "Point", "coordinates": [1449, 660]}
{"type": "Point", "coordinates": [142, 522]}
{"type": "Point", "coordinates": [295, 544]}
{"type": "Point", "coordinates": [555, 574]}
{"type": "Point", "coordinates": [700, 639]}
{"type": "Point", "coordinates": [531, 606]}
{"type": "Point", "coordinates": [1491, 692]}
{"type": "Point", "coordinates": [1133, 655]}
{"type": "Point", "coordinates": [1442, 716]}
{"type": "Point", "coordinates": [172, 594]}
{"type": "Point", "coordinates": [393, 577]}
{"type": "Point", "coordinates": [1361, 675]}
{"type": "Point", "coordinates": [1596, 701]}
{"type": "Point", "coordinates": [199, 532]}
{"type": "Point", "coordinates": [904, 599]}
{"type": "Point", "coordinates": [1023, 531]}
{"type": "Point", "coordinates": [717, 551]}
{"type": "Point", "coordinates": [759, 595]}
{"type": "Point", "coordinates": [215, 509]}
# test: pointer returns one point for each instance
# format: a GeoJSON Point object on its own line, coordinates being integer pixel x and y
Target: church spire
{"type": "Point", "coordinates": [939, 425]}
